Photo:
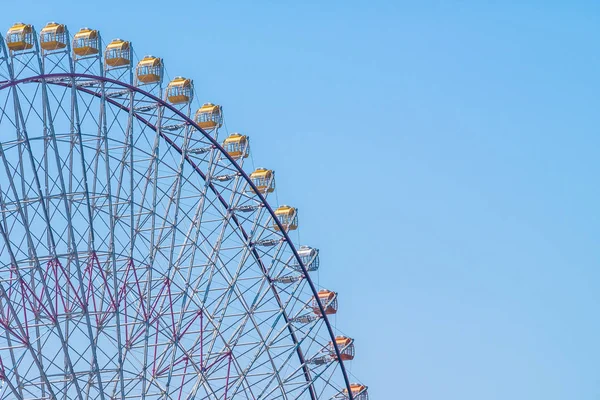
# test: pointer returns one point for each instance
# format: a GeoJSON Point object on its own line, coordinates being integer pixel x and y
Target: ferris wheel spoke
{"type": "Point", "coordinates": [71, 231]}
{"type": "Point", "coordinates": [143, 308]}
{"type": "Point", "coordinates": [118, 214]}
{"type": "Point", "coordinates": [112, 242]}
{"type": "Point", "coordinates": [175, 200]}
{"type": "Point", "coordinates": [196, 220]}
{"type": "Point", "coordinates": [153, 169]}
{"type": "Point", "coordinates": [186, 287]}
{"type": "Point", "coordinates": [76, 123]}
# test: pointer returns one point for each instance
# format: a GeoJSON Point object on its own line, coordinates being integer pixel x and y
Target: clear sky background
{"type": "Point", "coordinates": [445, 158]}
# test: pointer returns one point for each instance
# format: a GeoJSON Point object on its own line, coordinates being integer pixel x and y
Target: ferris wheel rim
{"type": "Point", "coordinates": [42, 78]}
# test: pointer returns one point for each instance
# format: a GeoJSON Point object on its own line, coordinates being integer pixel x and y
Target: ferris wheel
{"type": "Point", "coordinates": [138, 258]}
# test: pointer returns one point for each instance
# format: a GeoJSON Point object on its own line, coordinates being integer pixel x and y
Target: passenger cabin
{"type": "Point", "coordinates": [20, 37]}
{"type": "Point", "coordinates": [149, 70]}
{"type": "Point", "coordinates": [359, 392]}
{"type": "Point", "coordinates": [309, 257]}
{"type": "Point", "coordinates": [209, 116]}
{"type": "Point", "coordinates": [118, 53]}
{"type": "Point", "coordinates": [180, 91]}
{"type": "Point", "coordinates": [346, 347]}
{"type": "Point", "coordinates": [236, 146]}
{"type": "Point", "coordinates": [86, 42]}
{"type": "Point", "coordinates": [264, 180]}
{"type": "Point", "coordinates": [328, 300]}
{"type": "Point", "coordinates": [53, 37]}
{"type": "Point", "coordinates": [288, 217]}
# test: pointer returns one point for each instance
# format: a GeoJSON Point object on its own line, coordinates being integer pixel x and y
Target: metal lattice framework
{"type": "Point", "coordinates": [137, 258]}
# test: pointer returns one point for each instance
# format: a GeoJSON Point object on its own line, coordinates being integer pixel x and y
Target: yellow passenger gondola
{"type": "Point", "coordinates": [149, 70]}
{"type": "Point", "coordinates": [209, 116]}
{"type": "Point", "coordinates": [328, 300]}
{"type": "Point", "coordinates": [345, 346]}
{"type": "Point", "coordinates": [180, 90]}
{"type": "Point", "coordinates": [20, 37]}
{"type": "Point", "coordinates": [236, 146]}
{"type": "Point", "coordinates": [359, 392]}
{"type": "Point", "coordinates": [264, 180]}
{"type": "Point", "coordinates": [53, 36]}
{"type": "Point", "coordinates": [86, 42]}
{"type": "Point", "coordinates": [118, 53]}
{"type": "Point", "coordinates": [288, 217]}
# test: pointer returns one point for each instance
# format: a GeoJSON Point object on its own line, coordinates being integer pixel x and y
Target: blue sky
{"type": "Point", "coordinates": [444, 157]}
